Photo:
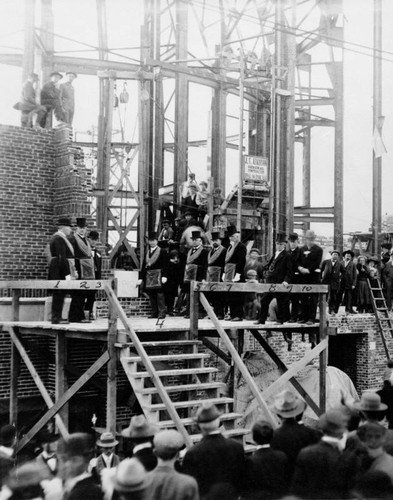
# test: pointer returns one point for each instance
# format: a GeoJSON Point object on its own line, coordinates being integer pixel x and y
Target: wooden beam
{"type": "Point", "coordinates": [258, 287]}
{"type": "Point", "coordinates": [55, 284]}
{"type": "Point", "coordinates": [15, 363]}
{"type": "Point", "coordinates": [217, 351]}
{"type": "Point", "coordinates": [314, 210]}
{"type": "Point", "coordinates": [88, 374]}
{"type": "Point", "coordinates": [194, 311]}
{"type": "Point", "coordinates": [37, 380]}
{"type": "Point", "coordinates": [61, 376]}
{"type": "Point", "coordinates": [250, 382]}
{"type": "Point", "coordinates": [111, 373]}
{"type": "Point", "coordinates": [305, 218]}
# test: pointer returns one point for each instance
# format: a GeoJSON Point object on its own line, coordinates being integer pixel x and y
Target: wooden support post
{"type": "Point", "coordinates": [111, 403]}
{"type": "Point", "coordinates": [29, 42]}
{"type": "Point", "coordinates": [61, 376]}
{"type": "Point", "coordinates": [324, 354]}
{"type": "Point", "coordinates": [15, 362]}
{"type": "Point", "coordinates": [194, 311]}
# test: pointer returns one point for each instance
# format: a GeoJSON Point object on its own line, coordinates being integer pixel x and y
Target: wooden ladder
{"type": "Point", "coordinates": [187, 381]}
{"type": "Point", "coordinates": [385, 323]}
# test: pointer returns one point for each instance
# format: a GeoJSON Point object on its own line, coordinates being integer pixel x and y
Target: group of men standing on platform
{"type": "Point", "coordinates": [73, 255]}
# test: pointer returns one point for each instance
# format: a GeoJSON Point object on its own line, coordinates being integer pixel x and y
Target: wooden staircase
{"type": "Point", "coordinates": [187, 380]}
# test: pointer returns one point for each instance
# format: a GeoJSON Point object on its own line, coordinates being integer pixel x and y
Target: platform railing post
{"type": "Point", "coordinates": [194, 310]}
{"type": "Point", "coordinates": [111, 405]}
{"type": "Point", "coordinates": [323, 355]}
{"type": "Point", "coordinates": [61, 376]}
{"type": "Point", "coordinates": [15, 363]}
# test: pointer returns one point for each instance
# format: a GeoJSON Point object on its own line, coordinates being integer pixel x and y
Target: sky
{"type": "Point", "coordinates": [76, 19]}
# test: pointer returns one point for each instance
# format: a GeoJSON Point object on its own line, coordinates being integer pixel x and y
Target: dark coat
{"type": "Point", "coordinates": [295, 256]}
{"type": "Point", "coordinates": [50, 96]}
{"type": "Point", "coordinates": [291, 437]}
{"type": "Point", "coordinates": [201, 262]}
{"type": "Point", "coordinates": [350, 276]}
{"type": "Point", "coordinates": [6, 465]}
{"type": "Point", "coordinates": [79, 253]}
{"type": "Point", "coordinates": [238, 257]}
{"type": "Point", "coordinates": [174, 273]}
{"type": "Point", "coordinates": [280, 269]}
{"type": "Point", "coordinates": [310, 258]}
{"type": "Point", "coordinates": [217, 255]}
{"type": "Point", "coordinates": [160, 263]}
{"type": "Point", "coordinates": [86, 489]}
{"type": "Point", "coordinates": [387, 271]}
{"type": "Point", "coordinates": [147, 458]}
{"type": "Point", "coordinates": [101, 465]}
{"type": "Point", "coordinates": [331, 275]}
{"type": "Point", "coordinates": [216, 459]}
{"type": "Point", "coordinates": [97, 258]}
{"type": "Point", "coordinates": [268, 474]}
{"type": "Point", "coordinates": [168, 484]}
{"type": "Point", "coordinates": [322, 471]}
{"type": "Point", "coordinates": [59, 250]}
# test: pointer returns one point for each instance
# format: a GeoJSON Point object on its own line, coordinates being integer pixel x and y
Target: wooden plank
{"type": "Point", "coordinates": [55, 284]}
{"type": "Point", "coordinates": [37, 380]}
{"type": "Point", "coordinates": [149, 366]}
{"type": "Point", "coordinates": [324, 354]}
{"type": "Point", "coordinates": [296, 384]}
{"type": "Point", "coordinates": [111, 373]}
{"type": "Point", "coordinates": [238, 361]}
{"type": "Point", "coordinates": [217, 351]}
{"type": "Point", "coordinates": [194, 311]}
{"type": "Point", "coordinates": [61, 376]}
{"type": "Point", "coordinates": [87, 375]}
{"type": "Point", "coordinates": [258, 288]}
{"type": "Point", "coordinates": [15, 363]}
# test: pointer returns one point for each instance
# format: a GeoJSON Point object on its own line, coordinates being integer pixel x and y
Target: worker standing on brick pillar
{"type": "Point", "coordinates": [67, 99]}
{"type": "Point", "coordinates": [61, 265]}
{"type": "Point", "coordinates": [85, 267]}
{"type": "Point", "coordinates": [50, 99]}
{"type": "Point", "coordinates": [31, 111]}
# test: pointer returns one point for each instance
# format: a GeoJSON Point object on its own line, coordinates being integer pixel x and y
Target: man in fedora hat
{"type": "Point", "coordinates": [84, 264]}
{"type": "Point", "coordinates": [332, 272]}
{"type": "Point", "coordinates": [75, 453]}
{"type": "Point", "coordinates": [196, 266]}
{"type": "Point", "coordinates": [25, 482]}
{"type": "Point", "coordinates": [131, 480]}
{"type": "Point", "coordinates": [215, 269]}
{"type": "Point", "coordinates": [61, 265]}
{"type": "Point", "coordinates": [48, 456]}
{"type": "Point", "coordinates": [139, 435]}
{"type": "Point", "coordinates": [291, 436]}
{"type": "Point", "coordinates": [154, 277]}
{"type": "Point", "coordinates": [67, 98]}
{"type": "Point", "coordinates": [279, 270]}
{"type": "Point", "coordinates": [235, 260]}
{"type": "Point", "coordinates": [165, 482]}
{"type": "Point", "coordinates": [310, 258]}
{"type": "Point", "coordinates": [215, 459]}
{"type": "Point", "coordinates": [107, 457]}
{"type": "Point", "coordinates": [348, 282]}
{"type": "Point", "coordinates": [50, 99]}
{"type": "Point", "coordinates": [325, 469]}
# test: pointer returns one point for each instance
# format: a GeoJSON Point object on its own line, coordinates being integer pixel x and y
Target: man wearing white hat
{"type": "Point", "coordinates": [107, 458]}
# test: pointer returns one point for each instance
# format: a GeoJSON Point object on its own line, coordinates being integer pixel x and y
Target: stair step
{"type": "Point", "coordinates": [189, 421]}
{"type": "Point", "coordinates": [379, 289]}
{"type": "Point", "coordinates": [183, 388]}
{"type": "Point", "coordinates": [231, 433]}
{"type": "Point", "coordinates": [163, 343]}
{"type": "Point", "coordinates": [168, 357]}
{"type": "Point", "coordinates": [169, 373]}
{"type": "Point", "coordinates": [188, 404]}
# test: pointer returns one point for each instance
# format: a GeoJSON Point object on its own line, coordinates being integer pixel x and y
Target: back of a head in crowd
{"type": "Point", "coordinates": [25, 481]}
{"type": "Point", "coordinates": [373, 484]}
{"type": "Point", "coordinates": [7, 435]}
{"type": "Point", "coordinates": [78, 444]}
{"type": "Point", "coordinates": [167, 444]}
{"type": "Point", "coordinates": [262, 432]}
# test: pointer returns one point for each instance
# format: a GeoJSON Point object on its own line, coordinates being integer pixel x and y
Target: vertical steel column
{"type": "Point", "coordinates": [241, 142]}
{"type": "Point", "coordinates": [47, 38]}
{"type": "Point", "coordinates": [181, 100]}
{"type": "Point", "coordinates": [377, 112]}
{"type": "Point", "coordinates": [29, 42]}
{"type": "Point", "coordinates": [338, 156]}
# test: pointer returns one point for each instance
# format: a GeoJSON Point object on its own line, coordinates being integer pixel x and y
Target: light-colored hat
{"type": "Point", "coordinates": [310, 234]}
{"type": "Point", "coordinates": [207, 413]}
{"type": "Point", "coordinates": [370, 401]}
{"type": "Point", "coordinates": [288, 405]}
{"type": "Point", "coordinates": [130, 476]}
{"type": "Point", "coordinates": [139, 428]}
{"type": "Point", "coordinates": [107, 440]}
{"type": "Point", "coordinates": [27, 475]}
{"type": "Point", "coordinates": [168, 440]}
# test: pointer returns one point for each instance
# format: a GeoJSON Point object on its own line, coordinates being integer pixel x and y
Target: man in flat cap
{"type": "Point", "coordinates": [50, 99]}
{"type": "Point", "coordinates": [61, 265]}
{"type": "Point", "coordinates": [31, 111]}
{"type": "Point", "coordinates": [75, 453]}
{"type": "Point", "coordinates": [67, 98]}
{"type": "Point", "coordinates": [165, 482]}
{"type": "Point", "coordinates": [215, 460]}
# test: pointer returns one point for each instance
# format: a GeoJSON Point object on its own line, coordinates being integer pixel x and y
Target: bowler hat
{"type": "Point", "coordinates": [388, 246]}
{"type": "Point", "coordinates": [288, 405]}
{"type": "Point", "coordinates": [333, 420]}
{"type": "Point", "coordinates": [94, 235]}
{"type": "Point", "coordinates": [81, 222]}
{"type": "Point", "coordinates": [335, 251]}
{"type": "Point", "coordinates": [165, 221]}
{"type": "Point", "coordinates": [78, 444]}
{"type": "Point", "coordinates": [130, 476]}
{"type": "Point", "coordinates": [310, 234]}
{"type": "Point", "coordinates": [152, 235]}
{"type": "Point", "coordinates": [293, 237]}
{"type": "Point", "coordinates": [107, 440]}
{"type": "Point", "coordinates": [139, 428]}
{"type": "Point", "coordinates": [168, 440]}
{"type": "Point", "coordinates": [44, 436]}
{"type": "Point", "coordinates": [350, 253]}
{"type": "Point", "coordinates": [27, 475]}
{"type": "Point", "coordinates": [195, 235]}
{"type": "Point", "coordinates": [64, 221]}
{"type": "Point", "coordinates": [207, 413]}
{"type": "Point", "coordinates": [216, 235]}
{"type": "Point", "coordinates": [370, 401]}
{"type": "Point", "coordinates": [251, 273]}
{"type": "Point", "coordinates": [193, 186]}
{"type": "Point", "coordinates": [56, 73]}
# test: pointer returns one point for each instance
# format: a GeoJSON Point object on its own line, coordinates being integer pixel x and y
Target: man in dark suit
{"type": "Point", "coordinates": [279, 270]}
{"type": "Point", "coordinates": [215, 460]}
{"type": "Point", "coordinates": [74, 455]}
{"type": "Point", "coordinates": [267, 468]}
{"type": "Point", "coordinates": [235, 261]}
{"type": "Point", "coordinates": [61, 265]}
{"type": "Point", "coordinates": [196, 266]}
{"type": "Point", "coordinates": [310, 258]}
{"type": "Point", "coordinates": [139, 441]}
{"type": "Point", "coordinates": [291, 436]}
{"type": "Point", "coordinates": [152, 274]}
{"type": "Point", "coordinates": [325, 470]}
{"type": "Point", "coordinates": [294, 252]}
{"type": "Point", "coordinates": [215, 269]}
{"type": "Point", "coordinates": [107, 458]}
{"type": "Point", "coordinates": [348, 282]}
{"type": "Point", "coordinates": [387, 277]}
{"type": "Point", "coordinates": [97, 260]}
{"type": "Point", "coordinates": [332, 272]}
{"type": "Point", "coordinates": [50, 99]}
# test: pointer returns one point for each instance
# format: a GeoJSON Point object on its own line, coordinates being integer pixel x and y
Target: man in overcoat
{"type": "Point", "coordinates": [332, 272]}
{"type": "Point", "coordinates": [348, 282]}
{"type": "Point", "coordinates": [235, 261]}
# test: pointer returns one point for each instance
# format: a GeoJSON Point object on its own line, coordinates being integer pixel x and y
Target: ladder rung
{"type": "Point", "coordinates": [380, 289]}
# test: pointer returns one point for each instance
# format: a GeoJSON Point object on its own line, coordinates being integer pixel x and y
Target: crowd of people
{"type": "Point", "coordinates": [347, 455]}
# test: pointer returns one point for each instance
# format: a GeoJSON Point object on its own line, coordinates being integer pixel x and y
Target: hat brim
{"type": "Point", "coordinates": [102, 444]}
{"type": "Point", "coordinates": [148, 432]}
{"type": "Point", "coordinates": [358, 406]}
{"type": "Point", "coordinates": [300, 407]}
{"type": "Point", "coordinates": [127, 488]}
